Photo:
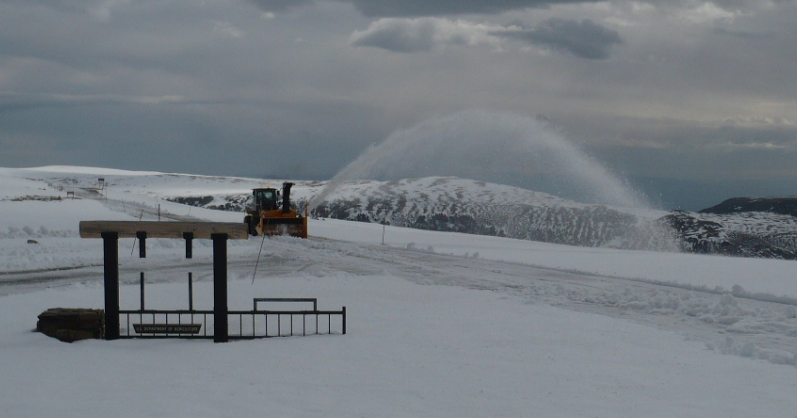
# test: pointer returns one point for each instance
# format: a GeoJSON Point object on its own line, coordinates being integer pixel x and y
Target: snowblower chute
{"type": "Point", "coordinates": [271, 215]}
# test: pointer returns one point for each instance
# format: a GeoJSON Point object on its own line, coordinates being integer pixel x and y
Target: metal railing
{"type": "Point", "coordinates": [150, 323]}
{"type": "Point", "coordinates": [266, 324]}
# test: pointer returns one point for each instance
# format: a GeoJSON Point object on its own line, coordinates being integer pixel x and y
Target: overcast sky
{"type": "Point", "coordinates": [695, 101]}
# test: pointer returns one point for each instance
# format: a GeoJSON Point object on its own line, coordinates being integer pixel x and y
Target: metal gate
{"type": "Point", "coordinates": [257, 323]}
{"type": "Point", "coordinates": [191, 323]}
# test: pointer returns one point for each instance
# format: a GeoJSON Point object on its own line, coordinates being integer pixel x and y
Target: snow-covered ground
{"type": "Point", "coordinates": [439, 324]}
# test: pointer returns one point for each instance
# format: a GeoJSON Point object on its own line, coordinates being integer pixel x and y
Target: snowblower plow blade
{"type": "Point", "coordinates": [295, 227]}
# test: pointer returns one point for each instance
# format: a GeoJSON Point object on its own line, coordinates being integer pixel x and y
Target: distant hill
{"type": "Point", "coordinates": [780, 205]}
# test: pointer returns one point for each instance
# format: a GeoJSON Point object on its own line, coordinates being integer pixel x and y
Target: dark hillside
{"type": "Point", "coordinates": [779, 205]}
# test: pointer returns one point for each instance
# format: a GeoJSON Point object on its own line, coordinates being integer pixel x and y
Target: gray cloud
{"type": "Point", "coordinates": [585, 39]}
{"type": "Point", "coordinates": [754, 36]}
{"type": "Point", "coordinates": [415, 8]}
{"type": "Point", "coordinates": [398, 36]}
{"type": "Point", "coordinates": [421, 35]}
{"type": "Point", "coordinates": [418, 8]}
{"type": "Point", "coordinates": [10, 101]}
{"type": "Point", "coordinates": [281, 5]}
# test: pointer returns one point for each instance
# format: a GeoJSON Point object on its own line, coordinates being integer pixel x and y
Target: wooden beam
{"type": "Point", "coordinates": [128, 229]}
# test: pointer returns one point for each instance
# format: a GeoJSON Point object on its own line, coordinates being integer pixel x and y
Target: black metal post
{"type": "Point", "coordinates": [191, 292]}
{"type": "Point", "coordinates": [189, 244]}
{"type": "Point", "coordinates": [110, 245]}
{"type": "Point", "coordinates": [344, 320]}
{"type": "Point", "coordinates": [142, 244]}
{"type": "Point", "coordinates": [142, 290]}
{"type": "Point", "coordinates": [220, 325]}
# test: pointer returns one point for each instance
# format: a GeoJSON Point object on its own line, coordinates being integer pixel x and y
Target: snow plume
{"type": "Point", "coordinates": [485, 145]}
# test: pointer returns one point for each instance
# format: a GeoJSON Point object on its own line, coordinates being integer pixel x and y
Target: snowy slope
{"type": "Point", "coordinates": [440, 324]}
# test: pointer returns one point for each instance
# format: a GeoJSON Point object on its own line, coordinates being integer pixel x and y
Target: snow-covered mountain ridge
{"type": "Point", "coordinates": [461, 205]}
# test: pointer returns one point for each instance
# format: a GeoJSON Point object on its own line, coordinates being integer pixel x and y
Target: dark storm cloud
{"type": "Point", "coordinates": [585, 39]}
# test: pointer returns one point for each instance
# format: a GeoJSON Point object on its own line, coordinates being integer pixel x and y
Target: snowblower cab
{"type": "Point", "coordinates": [266, 199]}
{"type": "Point", "coordinates": [270, 216]}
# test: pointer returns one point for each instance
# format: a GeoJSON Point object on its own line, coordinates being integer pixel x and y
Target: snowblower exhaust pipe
{"type": "Point", "coordinates": [286, 197]}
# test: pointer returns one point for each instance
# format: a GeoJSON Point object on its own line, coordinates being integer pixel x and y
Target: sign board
{"type": "Point", "coordinates": [129, 229]}
{"type": "Point", "coordinates": [167, 328]}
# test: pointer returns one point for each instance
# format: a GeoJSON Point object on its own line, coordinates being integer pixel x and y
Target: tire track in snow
{"type": "Point", "coordinates": [729, 322]}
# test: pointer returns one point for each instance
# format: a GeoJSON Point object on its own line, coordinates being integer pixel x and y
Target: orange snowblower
{"type": "Point", "coordinates": [268, 216]}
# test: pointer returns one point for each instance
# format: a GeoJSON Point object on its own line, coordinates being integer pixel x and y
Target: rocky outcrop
{"type": "Point", "coordinates": [753, 234]}
{"type": "Point", "coordinates": [72, 324]}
